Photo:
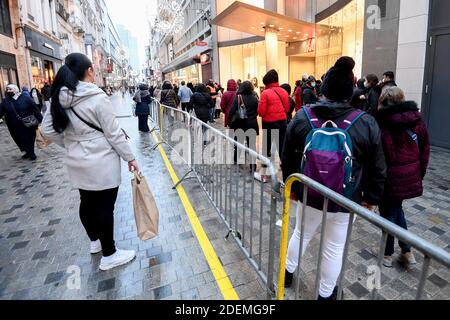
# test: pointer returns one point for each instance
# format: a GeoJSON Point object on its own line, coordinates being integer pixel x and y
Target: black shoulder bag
{"type": "Point", "coordinates": [94, 126]}
{"type": "Point", "coordinates": [28, 121]}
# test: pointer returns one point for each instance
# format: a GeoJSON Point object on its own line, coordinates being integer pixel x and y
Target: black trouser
{"type": "Point", "coordinates": [267, 129]}
{"type": "Point", "coordinates": [143, 123]}
{"type": "Point", "coordinates": [97, 217]}
{"type": "Point", "coordinates": [185, 107]}
{"type": "Point", "coordinates": [218, 112]}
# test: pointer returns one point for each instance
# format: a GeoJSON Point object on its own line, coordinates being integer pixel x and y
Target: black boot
{"type": "Point", "coordinates": [26, 156]}
{"type": "Point", "coordinates": [33, 157]}
{"type": "Point", "coordinates": [288, 278]}
{"type": "Point", "coordinates": [332, 297]}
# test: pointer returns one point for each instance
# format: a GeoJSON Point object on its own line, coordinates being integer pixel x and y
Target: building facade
{"type": "Point", "coordinates": [408, 37]}
{"type": "Point", "coordinates": [13, 65]}
{"type": "Point", "coordinates": [188, 55]}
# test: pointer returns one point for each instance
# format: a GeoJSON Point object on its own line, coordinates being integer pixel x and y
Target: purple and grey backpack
{"type": "Point", "coordinates": [328, 157]}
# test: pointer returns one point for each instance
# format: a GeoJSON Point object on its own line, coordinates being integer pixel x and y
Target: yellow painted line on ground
{"type": "Point", "coordinates": [217, 269]}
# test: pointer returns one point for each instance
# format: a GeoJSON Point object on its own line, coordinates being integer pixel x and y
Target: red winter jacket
{"type": "Point", "coordinates": [298, 98]}
{"type": "Point", "coordinates": [274, 104]}
{"type": "Point", "coordinates": [227, 100]}
{"type": "Point", "coordinates": [406, 159]}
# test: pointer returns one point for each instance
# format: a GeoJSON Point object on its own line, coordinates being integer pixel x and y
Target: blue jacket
{"type": "Point", "coordinates": [185, 94]}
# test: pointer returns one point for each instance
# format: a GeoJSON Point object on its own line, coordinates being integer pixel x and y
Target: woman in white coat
{"type": "Point", "coordinates": [82, 121]}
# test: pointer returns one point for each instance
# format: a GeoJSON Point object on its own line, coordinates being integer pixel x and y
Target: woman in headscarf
{"type": "Point", "coordinates": [15, 107]}
{"type": "Point", "coordinates": [143, 100]}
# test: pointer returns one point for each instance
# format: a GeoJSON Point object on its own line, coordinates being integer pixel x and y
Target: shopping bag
{"type": "Point", "coordinates": [41, 142]}
{"type": "Point", "coordinates": [145, 210]}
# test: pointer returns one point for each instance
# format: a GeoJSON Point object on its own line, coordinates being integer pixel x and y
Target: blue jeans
{"type": "Point", "coordinates": [212, 111]}
{"type": "Point", "coordinates": [392, 210]}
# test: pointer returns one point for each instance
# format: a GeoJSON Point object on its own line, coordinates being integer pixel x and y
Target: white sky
{"type": "Point", "coordinates": [134, 14]}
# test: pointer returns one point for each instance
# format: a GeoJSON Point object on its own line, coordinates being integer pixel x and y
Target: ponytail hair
{"type": "Point", "coordinates": [69, 75]}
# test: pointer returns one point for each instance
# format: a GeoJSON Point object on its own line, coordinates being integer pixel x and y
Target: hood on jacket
{"type": "Point", "coordinates": [231, 85]}
{"type": "Point", "coordinates": [403, 115]}
{"type": "Point", "coordinates": [85, 90]}
{"type": "Point", "coordinates": [332, 110]}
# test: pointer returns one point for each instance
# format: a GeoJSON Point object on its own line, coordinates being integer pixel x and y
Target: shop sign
{"type": "Point", "coordinates": [205, 58]}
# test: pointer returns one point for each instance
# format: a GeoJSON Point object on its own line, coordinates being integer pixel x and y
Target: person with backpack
{"type": "Point", "coordinates": [168, 96]}
{"type": "Point", "coordinates": [407, 149]}
{"type": "Point", "coordinates": [339, 147]}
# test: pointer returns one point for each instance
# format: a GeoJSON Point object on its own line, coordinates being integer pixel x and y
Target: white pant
{"type": "Point", "coordinates": [333, 248]}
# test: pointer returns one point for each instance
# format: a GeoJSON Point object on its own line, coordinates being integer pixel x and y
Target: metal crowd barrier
{"type": "Point", "coordinates": [429, 250]}
{"type": "Point", "coordinates": [230, 186]}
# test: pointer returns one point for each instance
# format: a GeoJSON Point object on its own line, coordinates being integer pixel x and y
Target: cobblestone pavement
{"type": "Point", "coordinates": [41, 236]}
{"type": "Point", "coordinates": [42, 240]}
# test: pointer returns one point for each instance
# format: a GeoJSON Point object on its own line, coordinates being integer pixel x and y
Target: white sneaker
{"type": "Point", "coordinates": [96, 247]}
{"type": "Point", "coordinates": [119, 258]}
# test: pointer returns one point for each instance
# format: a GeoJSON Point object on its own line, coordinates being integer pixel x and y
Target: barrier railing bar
{"type": "Point", "coordinates": [322, 238]}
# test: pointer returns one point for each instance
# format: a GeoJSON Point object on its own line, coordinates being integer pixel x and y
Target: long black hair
{"type": "Point", "coordinates": [69, 75]}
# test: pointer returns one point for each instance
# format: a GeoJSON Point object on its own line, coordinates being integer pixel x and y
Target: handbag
{"type": "Point", "coordinates": [41, 141]}
{"type": "Point", "coordinates": [242, 109]}
{"type": "Point", "coordinates": [146, 212]}
{"type": "Point", "coordinates": [29, 121]}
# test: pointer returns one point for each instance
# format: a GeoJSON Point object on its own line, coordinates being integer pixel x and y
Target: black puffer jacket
{"type": "Point", "coordinates": [202, 103]}
{"type": "Point", "coordinates": [369, 167]}
{"type": "Point", "coordinates": [251, 102]}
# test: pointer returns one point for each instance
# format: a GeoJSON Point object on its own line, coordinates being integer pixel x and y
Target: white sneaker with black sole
{"type": "Point", "coordinates": [119, 258]}
{"type": "Point", "coordinates": [96, 247]}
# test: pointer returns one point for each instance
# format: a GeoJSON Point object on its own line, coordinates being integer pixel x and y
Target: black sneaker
{"type": "Point", "coordinates": [33, 157]}
{"type": "Point", "coordinates": [332, 297]}
{"type": "Point", "coordinates": [288, 278]}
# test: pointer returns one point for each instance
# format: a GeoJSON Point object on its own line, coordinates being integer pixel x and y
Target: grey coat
{"type": "Point", "coordinates": [93, 158]}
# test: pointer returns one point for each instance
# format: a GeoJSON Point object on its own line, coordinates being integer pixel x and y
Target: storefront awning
{"type": "Point", "coordinates": [253, 20]}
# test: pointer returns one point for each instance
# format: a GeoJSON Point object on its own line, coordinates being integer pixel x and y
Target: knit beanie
{"type": "Point", "coordinates": [270, 77]}
{"type": "Point", "coordinates": [339, 80]}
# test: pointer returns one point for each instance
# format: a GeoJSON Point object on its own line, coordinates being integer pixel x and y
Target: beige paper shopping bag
{"type": "Point", "coordinates": [145, 210]}
{"type": "Point", "coordinates": [41, 141]}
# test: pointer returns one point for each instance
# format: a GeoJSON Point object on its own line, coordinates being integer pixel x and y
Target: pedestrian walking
{"type": "Point", "coordinates": [185, 94]}
{"type": "Point", "coordinates": [227, 100]}
{"type": "Point", "coordinates": [82, 120]}
{"type": "Point", "coordinates": [373, 94]}
{"type": "Point", "coordinates": [46, 94]}
{"type": "Point", "coordinates": [168, 96]}
{"type": "Point", "coordinates": [309, 95]}
{"type": "Point", "coordinates": [366, 174]}
{"type": "Point", "coordinates": [213, 91]}
{"type": "Point", "coordinates": [143, 100]}
{"type": "Point", "coordinates": [22, 118]}
{"type": "Point", "coordinates": [247, 99]}
{"type": "Point", "coordinates": [407, 151]}
{"type": "Point", "coordinates": [37, 98]}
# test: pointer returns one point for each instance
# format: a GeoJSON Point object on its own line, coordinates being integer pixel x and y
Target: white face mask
{"type": "Point", "coordinates": [313, 84]}
{"type": "Point", "coordinates": [366, 84]}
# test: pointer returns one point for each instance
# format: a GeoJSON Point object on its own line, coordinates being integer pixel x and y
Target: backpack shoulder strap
{"type": "Point", "coordinates": [413, 136]}
{"type": "Point", "coordinates": [313, 119]}
{"type": "Point", "coordinates": [351, 119]}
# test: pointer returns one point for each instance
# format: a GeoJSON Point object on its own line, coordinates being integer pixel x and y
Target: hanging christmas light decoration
{"type": "Point", "coordinates": [170, 18]}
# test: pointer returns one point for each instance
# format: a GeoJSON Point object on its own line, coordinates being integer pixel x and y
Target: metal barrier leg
{"type": "Point", "coordinates": [383, 241]}
{"type": "Point", "coordinates": [344, 256]}
{"type": "Point", "coordinates": [185, 177]}
{"type": "Point", "coordinates": [270, 269]}
{"type": "Point", "coordinates": [423, 276]}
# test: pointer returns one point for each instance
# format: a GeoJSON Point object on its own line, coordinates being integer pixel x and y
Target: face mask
{"type": "Point", "coordinates": [366, 84]}
{"type": "Point", "coordinates": [10, 94]}
{"type": "Point", "coordinates": [313, 84]}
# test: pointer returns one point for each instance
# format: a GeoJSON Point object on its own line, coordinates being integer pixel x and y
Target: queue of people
{"type": "Point", "coordinates": [381, 158]}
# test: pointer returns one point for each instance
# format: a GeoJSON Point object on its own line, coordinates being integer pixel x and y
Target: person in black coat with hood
{"type": "Point", "coordinates": [15, 107]}
{"type": "Point", "coordinates": [143, 100]}
{"type": "Point", "coordinates": [373, 94]}
{"type": "Point", "coordinates": [309, 95]}
{"type": "Point", "coordinates": [368, 172]}
{"type": "Point", "coordinates": [202, 103]}
{"type": "Point", "coordinates": [287, 87]}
